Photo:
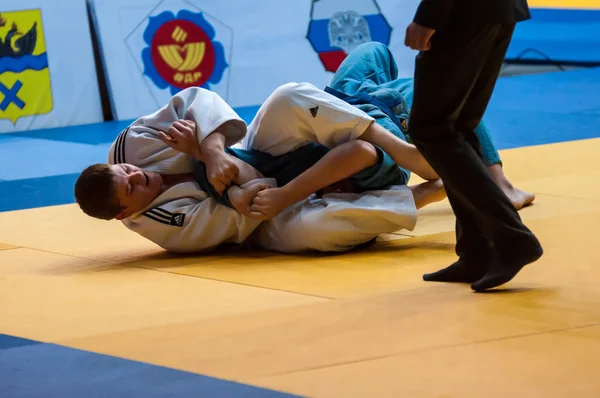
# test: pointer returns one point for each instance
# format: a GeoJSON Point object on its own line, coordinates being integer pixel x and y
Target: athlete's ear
{"type": "Point", "coordinates": [122, 215]}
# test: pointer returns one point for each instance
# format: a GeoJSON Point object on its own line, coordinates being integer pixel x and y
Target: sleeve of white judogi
{"type": "Point", "coordinates": [298, 113]}
{"type": "Point", "coordinates": [140, 144]}
{"type": "Point", "coordinates": [190, 224]}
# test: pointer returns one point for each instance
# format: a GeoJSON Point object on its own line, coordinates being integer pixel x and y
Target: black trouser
{"type": "Point", "coordinates": [454, 81]}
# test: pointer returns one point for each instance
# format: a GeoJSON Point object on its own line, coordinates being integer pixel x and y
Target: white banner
{"type": "Point", "coordinates": [47, 72]}
{"type": "Point", "coordinates": [240, 49]}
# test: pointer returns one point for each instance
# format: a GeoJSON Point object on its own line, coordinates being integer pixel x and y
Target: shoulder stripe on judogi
{"type": "Point", "coordinates": [158, 217]}
{"type": "Point", "coordinates": [165, 212]}
{"type": "Point", "coordinates": [157, 214]}
{"type": "Point", "coordinates": [117, 150]}
{"type": "Point", "coordinates": [119, 155]}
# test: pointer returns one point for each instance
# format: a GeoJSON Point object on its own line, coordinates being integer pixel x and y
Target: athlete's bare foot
{"type": "Point", "coordinates": [517, 197]}
{"type": "Point", "coordinates": [428, 192]}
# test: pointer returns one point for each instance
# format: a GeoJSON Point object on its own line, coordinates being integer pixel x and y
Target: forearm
{"type": "Point", "coordinates": [404, 154]}
{"type": "Point", "coordinates": [212, 145]}
{"type": "Point", "coordinates": [338, 164]}
{"type": "Point", "coordinates": [246, 173]}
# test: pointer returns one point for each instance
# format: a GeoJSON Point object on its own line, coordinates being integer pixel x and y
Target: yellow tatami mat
{"type": "Point", "coordinates": [554, 294]}
{"type": "Point", "coordinates": [550, 365]}
{"type": "Point", "coordinates": [48, 296]}
{"type": "Point", "coordinates": [66, 230]}
{"type": "Point", "coordinates": [4, 246]}
{"type": "Point", "coordinates": [360, 324]}
{"type": "Point", "coordinates": [584, 4]}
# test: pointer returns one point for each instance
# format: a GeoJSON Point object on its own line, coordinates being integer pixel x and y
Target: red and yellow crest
{"type": "Point", "coordinates": [182, 52]}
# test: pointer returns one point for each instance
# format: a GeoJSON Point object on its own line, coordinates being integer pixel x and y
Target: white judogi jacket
{"type": "Point", "coordinates": [185, 219]}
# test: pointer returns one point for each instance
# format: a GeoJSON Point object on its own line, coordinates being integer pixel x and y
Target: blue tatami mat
{"type": "Point", "coordinates": [51, 371]}
{"type": "Point", "coordinates": [561, 35]}
{"type": "Point", "coordinates": [545, 108]}
{"type": "Point", "coordinates": [7, 341]}
{"type": "Point", "coordinates": [575, 91]}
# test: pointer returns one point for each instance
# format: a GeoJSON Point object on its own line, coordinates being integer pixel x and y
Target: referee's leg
{"type": "Point", "coordinates": [448, 77]}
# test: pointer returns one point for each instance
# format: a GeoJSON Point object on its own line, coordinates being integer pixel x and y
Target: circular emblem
{"type": "Point", "coordinates": [183, 54]}
{"type": "Point", "coordinates": [337, 27]}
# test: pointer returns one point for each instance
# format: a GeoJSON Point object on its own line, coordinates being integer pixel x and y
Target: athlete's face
{"type": "Point", "coordinates": [135, 188]}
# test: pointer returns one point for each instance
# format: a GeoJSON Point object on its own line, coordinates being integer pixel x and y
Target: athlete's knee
{"type": "Point", "coordinates": [373, 50]}
{"type": "Point", "coordinates": [366, 152]}
{"type": "Point", "coordinates": [374, 46]}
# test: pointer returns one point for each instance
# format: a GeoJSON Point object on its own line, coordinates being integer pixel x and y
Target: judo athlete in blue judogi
{"type": "Point", "coordinates": [367, 80]}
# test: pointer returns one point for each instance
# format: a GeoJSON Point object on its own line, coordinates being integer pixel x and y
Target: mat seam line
{"type": "Point", "coordinates": [566, 197]}
{"type": "Point", "coordinates": [399, 354]}
{"type": "Point", "coordinates": [61, 254]}
{"type": "Point", "coordinates": [179, 274]}
{"type": "Point", "coordinates": [237, 283]}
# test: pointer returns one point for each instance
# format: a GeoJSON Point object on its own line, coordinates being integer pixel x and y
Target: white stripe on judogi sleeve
{"type": "Point", "coordinates": [298, 113]}
{"type": "Point", "coordinates": [141, 146]}
{"type": "Point", "coordinates": [185, 220]}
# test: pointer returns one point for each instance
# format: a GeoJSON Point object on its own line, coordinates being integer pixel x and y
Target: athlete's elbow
{"type": "Point", "coordinates": [365, 152]}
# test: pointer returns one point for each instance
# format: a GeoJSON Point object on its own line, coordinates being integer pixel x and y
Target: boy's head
{"type": "Point", "coordinates": [116, 191]}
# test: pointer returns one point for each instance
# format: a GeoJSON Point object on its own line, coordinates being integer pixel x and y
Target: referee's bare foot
{"type": "Point", "coordinates": [428, 192]}
{"type": "Point", "coordinates": [518, 197]}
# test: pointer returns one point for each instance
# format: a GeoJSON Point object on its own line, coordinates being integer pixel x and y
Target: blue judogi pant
{"type": "Point", "coordinates": [368, 79]}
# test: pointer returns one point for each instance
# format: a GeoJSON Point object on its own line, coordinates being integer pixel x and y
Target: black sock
{"type": "Point", "coordinates": [460, 271]}
{"type": "Point", "coordinates": [502, 271]}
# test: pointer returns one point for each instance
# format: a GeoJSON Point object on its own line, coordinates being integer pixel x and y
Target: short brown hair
{"type": "Point", "coordinates": [95, 192]}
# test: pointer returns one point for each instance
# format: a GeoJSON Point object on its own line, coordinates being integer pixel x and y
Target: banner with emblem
{"type": "Point", "coordinates": [240, 49]}
{"type": "Point", "coordinates": [338, 27]}
{"type": "Point", "coordinates": [47, 73]}
{"type": "Point", "coordinates": [159, 48]}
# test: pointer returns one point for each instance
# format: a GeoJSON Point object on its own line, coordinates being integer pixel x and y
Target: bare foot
{"type": "Point", "coordinates": [428, 192]}
{"type": "Point", "coordinates": [517, 197]}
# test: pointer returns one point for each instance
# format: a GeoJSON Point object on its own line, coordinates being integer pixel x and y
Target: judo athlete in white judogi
{"type": "Point", "coordinates": [173, 197]}
{"type": "Point", "coordinates": [152, 189]}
